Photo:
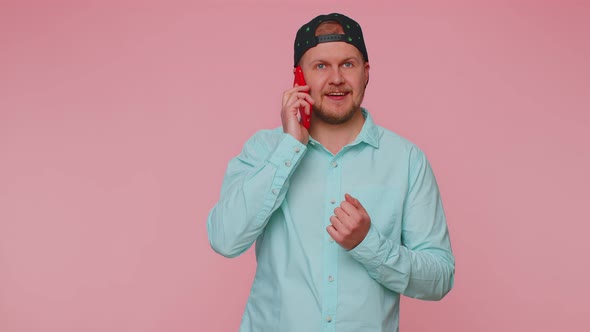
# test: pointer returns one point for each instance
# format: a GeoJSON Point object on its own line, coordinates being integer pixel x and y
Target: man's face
{"type": "Point", "coordinates": [337, 76]}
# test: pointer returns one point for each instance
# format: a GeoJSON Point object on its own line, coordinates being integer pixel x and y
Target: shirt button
{"type": "Point", "coordinates": [297, 149]}
{"type": "Point", "coordinates": [331, 240]}
{"type": "Point", "coordinates": [334, 164]}
{"type": "Point", "coordinates": [330, 278]}
{"type": "Point", "coordinates": [288, 163]}
{"type": "Point", "coordinates": [329, 319]}
{"type": "Point", "coordinates": [275, 191]}
{"type": "Point", "coordinates": [332, 201]}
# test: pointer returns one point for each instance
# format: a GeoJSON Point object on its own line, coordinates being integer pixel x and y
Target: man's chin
{"type": "Point", "coordinates": [335, 117]}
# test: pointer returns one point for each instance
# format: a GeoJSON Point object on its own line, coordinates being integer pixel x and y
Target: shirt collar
{"type": "Point", "coordinates": [369, 133]}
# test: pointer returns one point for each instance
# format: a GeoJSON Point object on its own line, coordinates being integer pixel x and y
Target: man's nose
{"type": "Point", "coordinates": [336, 77]}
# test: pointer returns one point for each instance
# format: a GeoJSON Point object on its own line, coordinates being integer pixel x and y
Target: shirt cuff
{"type": "Point", "coordinates": [370, 251]}
{"type": "Point", "coordinates": [288, 152]}
{"type": "Point", "coordinates": [285, 159]}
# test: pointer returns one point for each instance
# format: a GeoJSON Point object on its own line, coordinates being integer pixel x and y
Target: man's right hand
{"type": "Point", "coordinates": [292, 100]}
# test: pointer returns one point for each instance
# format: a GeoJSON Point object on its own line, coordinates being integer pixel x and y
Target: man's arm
{"type": "Point", "coordinates": [254, 186]}
{"type": "Point", "coordinates": [423, 266]}
{"type": "Point", "coordinates": [256, 181]}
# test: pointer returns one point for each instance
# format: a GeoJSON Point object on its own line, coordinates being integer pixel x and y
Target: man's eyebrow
{"type": "Point", "coordinates": [351, 58]}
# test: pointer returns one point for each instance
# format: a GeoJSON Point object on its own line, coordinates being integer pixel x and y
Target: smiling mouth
{"type": "Point", "coordinates": [337, 94]}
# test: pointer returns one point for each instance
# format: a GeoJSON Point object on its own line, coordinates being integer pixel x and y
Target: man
{"type": "Point", "coordinates": [346, 216]}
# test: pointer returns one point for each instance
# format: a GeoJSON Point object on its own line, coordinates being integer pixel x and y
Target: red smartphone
{"type": "Point", "coordinates": [299, 80]}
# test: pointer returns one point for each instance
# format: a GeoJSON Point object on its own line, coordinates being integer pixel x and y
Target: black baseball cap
{"type": "Point", "coordinates": [306, 38]}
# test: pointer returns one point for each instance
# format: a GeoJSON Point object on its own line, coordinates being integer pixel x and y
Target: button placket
{"type": "Point", "coordinates": [331, 251]}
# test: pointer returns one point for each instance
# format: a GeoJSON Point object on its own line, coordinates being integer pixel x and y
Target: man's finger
{"type": "Point", "coordinates": [337, 224]}
{"type": "Point", "coordinates": [355, 202]}
{"type": "Point", "coordinates": [349, 208]}
{"type": "Point", "coordinates": [333, 233]}
{"type": "Point", "coordinates": [341, 213]}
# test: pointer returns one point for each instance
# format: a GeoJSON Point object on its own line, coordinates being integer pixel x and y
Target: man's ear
{"type": "Point", "coordinates": [367, 67]}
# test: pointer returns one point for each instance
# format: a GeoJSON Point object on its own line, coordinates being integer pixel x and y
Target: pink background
{"type": "Point", "coordinates": [117, 120]}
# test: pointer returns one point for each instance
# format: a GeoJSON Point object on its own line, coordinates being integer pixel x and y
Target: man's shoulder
{"type": "Point", "coordinates": [389, 139]}
{"type": "Point", "coordinates": [265, 140]}
{"type": "Point", "coordinates": [266, 136]}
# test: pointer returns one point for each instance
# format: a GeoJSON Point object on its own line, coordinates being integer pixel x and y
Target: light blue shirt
{"type": "Point", "coordinates": [281, 194]}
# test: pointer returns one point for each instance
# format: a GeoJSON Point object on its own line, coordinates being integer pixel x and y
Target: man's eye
{"type": "Point", "coordinates": [347, 64]}
{"type": "Point", "coordinates": [321, 66]}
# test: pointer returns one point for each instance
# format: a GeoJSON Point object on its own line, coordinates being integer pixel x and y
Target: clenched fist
{"type": "Point", "coordinates": [350, 223]}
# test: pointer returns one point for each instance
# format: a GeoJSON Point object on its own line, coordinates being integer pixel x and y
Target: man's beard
{"type": "Point", "coordinates": [336, 118]}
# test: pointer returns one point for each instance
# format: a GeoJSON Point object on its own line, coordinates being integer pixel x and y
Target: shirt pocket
{"type": "Point", "coordinates": [384, 206]}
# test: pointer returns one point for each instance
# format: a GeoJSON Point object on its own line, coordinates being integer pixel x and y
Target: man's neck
{"type": "Point", "coordinates": [335, 137]}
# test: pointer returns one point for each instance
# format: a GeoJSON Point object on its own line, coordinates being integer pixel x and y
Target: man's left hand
{"type": "Point", "coordinates": [350, 223]}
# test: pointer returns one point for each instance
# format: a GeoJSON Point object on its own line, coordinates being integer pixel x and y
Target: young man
{"type": "Point", "coordinates": [346, 216]}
